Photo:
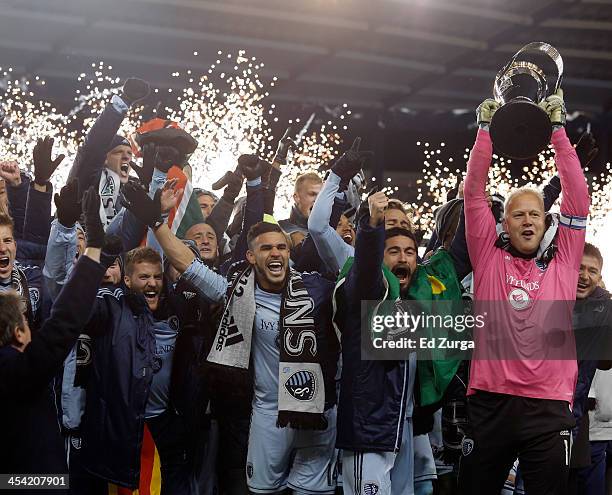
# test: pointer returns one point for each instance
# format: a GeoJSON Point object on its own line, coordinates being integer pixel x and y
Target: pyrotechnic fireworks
{"type": "Point", "coordinates": [222, 109]}
{"type": "Point", "coordinates": [440, 177]}
{"type": "Point", "coordinates": [225, 112]}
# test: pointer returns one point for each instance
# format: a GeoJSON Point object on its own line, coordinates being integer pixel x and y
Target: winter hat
{"type": "Point", "coordinates": [118, 140]}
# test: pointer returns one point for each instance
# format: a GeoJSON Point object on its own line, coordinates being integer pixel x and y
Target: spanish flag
{"type": "Point", "coordinates": [150, 474]}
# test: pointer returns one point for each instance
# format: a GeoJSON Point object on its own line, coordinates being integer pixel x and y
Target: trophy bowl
{"type": "Point", "coordinates": [520, 128]}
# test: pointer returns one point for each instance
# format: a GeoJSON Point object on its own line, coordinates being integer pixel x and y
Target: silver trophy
{"type": "Point", "coordinates": [520, 128]}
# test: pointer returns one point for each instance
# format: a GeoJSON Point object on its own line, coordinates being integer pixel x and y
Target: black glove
{"type": "Point", "coordinates": [586, 149]}
{"type": "Point", "coordinates": [147, 210]}
{"type": "Point", "coordinates": [44, 166]}
{"type": "Point", "coordinates": [145, 172]}
{"type": "Point", "coordinates": [166, 157]}
{"type": "Point", "coordinates": [364, 207]}
{"type": "Point", "coordinates": [111, 250]}
{"type": "Point", "coordinates": [134, 90]}
{"type": "Point", "coordinates": [233, 181]}
{"type": "Point", "coordinates": [251, 166]}
{"type": "Point", "coordinates": [351, 162]}
{"type": "Point", "coordinates": [68, 204]}
{"type": "Point", "coordinates": [91, 214]}
{"type": "Point", "coordinates": [284, 145]}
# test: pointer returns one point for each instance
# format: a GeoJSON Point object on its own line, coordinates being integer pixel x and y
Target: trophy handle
{"type": "Point", "coordinates": [548, 49]}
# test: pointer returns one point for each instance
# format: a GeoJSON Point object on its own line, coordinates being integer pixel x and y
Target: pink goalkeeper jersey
{"type": "Point", "coordinates": [523, 285]}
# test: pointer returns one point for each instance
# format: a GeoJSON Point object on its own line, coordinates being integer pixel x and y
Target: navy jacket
{"type": "Point", "coordinates": [31, 213]}
{"type": "Point", "coordinates": [373, 394]}
{"type": "Point", "coordinates": [121, 373]}
{"type": "Point", "coordinates": [592, 321]}
{"type": "Point", "coordinates": [91, 156]}
{"type": "Point", "coordinates": [33, 444]}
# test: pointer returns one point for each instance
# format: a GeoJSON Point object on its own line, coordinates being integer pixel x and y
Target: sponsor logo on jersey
{"type": "Point", "coordinates": [301, 385]}
{"type": "Point", "coordinates": [467, 446]}
{"type": "Point", "coordinates": [249, 470]}
{"type": "Point", "coordinates": [519, 299]}
{"type": "Point", "coordinates": [370, 488]}
{"type": "Point", "coordinates": [564, 433]}
{"type": "Point", "coordinates": [517, 282]}
{"type": "Point", "coordinates": [188, 295]}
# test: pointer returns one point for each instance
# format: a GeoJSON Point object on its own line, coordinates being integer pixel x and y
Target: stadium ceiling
{"type": "Point", "coordinates": [377, 54]}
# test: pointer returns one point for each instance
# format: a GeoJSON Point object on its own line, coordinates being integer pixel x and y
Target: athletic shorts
{"type": "Point", "coordinates": [279, 458]}
{"type": "Point", "coordinates": [367, 473]}
{"type": "Point", "coordinates": [385, 473]}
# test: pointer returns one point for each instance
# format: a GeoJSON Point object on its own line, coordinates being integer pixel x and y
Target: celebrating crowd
{"type": "Point", "coordinates": [235, 338]}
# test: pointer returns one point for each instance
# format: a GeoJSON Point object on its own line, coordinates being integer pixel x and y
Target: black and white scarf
{"type": "Point", "coordinates": [301, 389]}
{"type": "Point", "coordinates": [19, 283]}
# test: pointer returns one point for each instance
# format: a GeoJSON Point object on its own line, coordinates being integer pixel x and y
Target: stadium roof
{"type": "Point", "coordinates": [372, 54]}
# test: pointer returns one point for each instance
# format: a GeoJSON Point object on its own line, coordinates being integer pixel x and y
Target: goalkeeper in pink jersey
{"type": "Point", "coordinates": [519, 402]}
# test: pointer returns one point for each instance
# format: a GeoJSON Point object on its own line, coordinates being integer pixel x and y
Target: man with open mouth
{"type": "Point", "coordinates": [11, 277]}
{"type": "Point", "coordinates": [378, 454]}
{"type": "Point", "coordinates": [593, 332]}
{"type": "Point", "coordinates": [276, 322]}
{"type": "Point", "coordinates": [529, 384]}
{"type": "Point", "coordinates": [104, 158]}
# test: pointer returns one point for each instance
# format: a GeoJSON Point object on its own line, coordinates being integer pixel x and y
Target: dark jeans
{"type": "Point", "coordinates": [592, 479]}
{"type": "Point", "coordinates": [172, 441]}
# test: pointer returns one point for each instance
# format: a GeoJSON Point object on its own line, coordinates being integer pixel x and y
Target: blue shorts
{"type": "Point", "coordinates": [387, 473]}
{"type": "Point", "coordinates": [279, 458]}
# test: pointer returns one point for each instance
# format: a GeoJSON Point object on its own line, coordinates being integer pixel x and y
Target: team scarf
{"type": "Point", "coordinates": [301, 389]}
{"type": "Point", "coordinates": [19, 283]}
{"type": "Point", "coordinates": [108, 189]}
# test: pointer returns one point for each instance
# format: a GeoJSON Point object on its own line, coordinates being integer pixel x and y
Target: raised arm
{"type": "Point", "coordinates": [576, 201]}
{"type": "Point", "coordinates": [222, 211]}
{"type": "Point", "coordinates": [91, 156]}
{"type": "Point", "coordinates": [331, 247]}
{"type": "Point", "coordinates": [479, 222]}
{"type": "Point", "coordinates": [42, 358]}
{"type": "Point", "coordinates": [62, 245]}
{"type": "Point", "coordinates": [33, 368]}
{"type": "Point", "coordinates": [365, 279]}
{"type": "Point", "coordinates": [252, 168]}
{"type": "Point", "coordinates": [17, 185]}
{"type": "Point", "coordinates": [148, 211]}
{"type": "Point", "coordinates": [574, 207]}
